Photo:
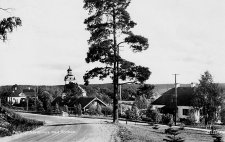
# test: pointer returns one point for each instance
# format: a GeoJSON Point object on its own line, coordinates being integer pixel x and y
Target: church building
{"type": "Point", "coordinates": [69, 77]}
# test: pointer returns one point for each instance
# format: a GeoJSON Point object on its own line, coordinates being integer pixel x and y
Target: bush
{"type": "Point", "coordinates": [190, 119]}
{"type": "Point", "coordinates": [17, 123]}
{"type": "Point", "coordinates": [107, 110]}
{"type": "Point", "coordinates": [223, 116]}
{"type": "Point", "coordinates": [167, 119]}
{"type": "Point", "coordinates": [129, 114]}
{"type": "Point", "coordinates": [154, 115]}
{"type": "Point", "coordinates": [99, 109]}
{"type": "Point", "coordinates": [79, 110]}
{"type": "Point", "coordinates": [92, 110]}
{"type": "Point", "coordinates": [132, 114]}
{"type": "Point", "coordinates": [66, 108]}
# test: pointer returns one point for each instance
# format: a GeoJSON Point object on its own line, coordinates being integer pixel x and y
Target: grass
{"type": "Point", "coordinates": [16, 123]}
{"type": "Point", "coordinates": [141, 133]}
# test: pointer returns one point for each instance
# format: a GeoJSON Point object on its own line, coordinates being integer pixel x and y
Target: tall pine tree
{"type": "Point", "coordinates": [107, 21]}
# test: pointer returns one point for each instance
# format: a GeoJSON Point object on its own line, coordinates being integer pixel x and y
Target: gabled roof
{"type": "Point", "coordinates": [85, 101]}
{"type": "Point", "coordinates": [29, 92]}
{"type": "Point", "coordinates": [17, 94]}
{"type": "Point", "coordinates": [184, 97]}
{"type": "Point", "coordinates": [58, 100]}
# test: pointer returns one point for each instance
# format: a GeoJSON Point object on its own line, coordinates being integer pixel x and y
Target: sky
{"type": "Point", "coordinates": [185, 37]}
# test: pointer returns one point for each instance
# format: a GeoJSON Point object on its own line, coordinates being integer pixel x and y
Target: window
{"type": "Point", "coordinates": [185, 111]}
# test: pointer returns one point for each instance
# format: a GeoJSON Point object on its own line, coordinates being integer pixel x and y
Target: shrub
{"type": "Point", "coordinates": [174, 133]}
{"type": "Point", "coordinates": [129, 114]}
{"type": "Point", "coordinates": [99, 109]}
{"type": "Point", "coordinates": [107, 110]}
{"type": "Point", "coordinates": [92, 110]}
{"type": "Point", "coordinates": [190, 119]}
{"type": "Point", "coordinates": [167, 119]}
{"type": "Point", "coordinates": [133, 114]}
{"type": "Point", "coordinates": [40, 106]}
{"type": "Point", "coordinates": [154, 115]}
{"type": "Point", "coordinates": [79, 110]}
{"type": "Point", "coordinates": [17, 123]}
{"type": "Point", "coordinates": [223, 116]}
{"type": "Point", "coordinates": [66, 108]}
{"type": "Point", "coordinates": [57, 108]}
{"type": "Point", "coordinates": [141, 102]}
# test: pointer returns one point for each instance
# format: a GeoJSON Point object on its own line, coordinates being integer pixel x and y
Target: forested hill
{"type": "Point", "coordinates": [127, 90]}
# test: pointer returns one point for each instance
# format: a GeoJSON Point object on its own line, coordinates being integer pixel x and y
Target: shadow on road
{"type": "Point", "coordinates": [64, 124]}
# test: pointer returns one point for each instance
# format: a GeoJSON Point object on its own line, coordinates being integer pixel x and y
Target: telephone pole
{"type": "Point", "coordinates": [35, 98]}
{"type": "Point", "coordinates": [175, 115]}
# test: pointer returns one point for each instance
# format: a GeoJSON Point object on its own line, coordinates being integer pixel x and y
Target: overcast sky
{"type": "Point", "coordinates": [186, 37]}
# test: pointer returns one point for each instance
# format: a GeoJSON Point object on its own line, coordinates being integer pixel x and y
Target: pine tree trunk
{"type": "Point", "coordinates": [115, 79]}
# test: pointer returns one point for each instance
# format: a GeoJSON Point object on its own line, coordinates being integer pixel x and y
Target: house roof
{"type": "Point", "coordinates": [58, 100]}
{"type": "Point", "coordinates": [29, 92]}
{"type": "Point", "coordinates": [17, 94]}
{"type": "Point", "coordinates": [184, 97]}
{"type": "Point", "coordinates": [85, 101]}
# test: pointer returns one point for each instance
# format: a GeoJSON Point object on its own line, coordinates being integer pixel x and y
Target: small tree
{"type": "Point", "coordinates": [66, 108]}
{"type": "Point", "coordinates": [167, 119]}
{"type": "Point", "coordinates": [75, 107]}
{"type": "Point", "coordinates": [154, 115]}
{"type": "Point", "coordinates": [136, 112]}
{"type": "Point", "coordinates": [40, 107]}
{"type": "Point", "coordinates": [145, 90]}
{"type": "Point", "coordinates": [173, 138]}
{"type": "Point", "coordinates": [107, 110]}
{"type": "Point", "coordinates": [207, 96]}
{"type": "Point", "coordinates": [223, 116]}
{"type": "Point", "coordinates": [191, 118]}
{"type": "Point", "coordinates": [79, 108]}
{"type": "Point", "coordinates": [141, 102]}
{"type": "Point", "coordinates": [57, 108]}
{"type": "Point", "coordinates": [99, 109]}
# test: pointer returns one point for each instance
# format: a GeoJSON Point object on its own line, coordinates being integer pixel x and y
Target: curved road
{"type": "Point", "coordinates": [67, 129]}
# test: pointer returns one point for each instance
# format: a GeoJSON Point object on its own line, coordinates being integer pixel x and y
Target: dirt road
{"type": "Point", "coordinates": [67, 129]}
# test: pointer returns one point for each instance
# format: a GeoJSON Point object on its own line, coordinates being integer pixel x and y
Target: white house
{"type": "Point", "coordinates": [166, 102]}
{"type": "Point", "coordinates": [16, 96]}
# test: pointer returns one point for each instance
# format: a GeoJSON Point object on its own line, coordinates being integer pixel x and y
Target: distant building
{"type": "Point", "coordinates": [17, 95]}
{"type": "Point", "coordinates": [69, 77]}
{"type": "Point", "coordinates": [29, 92]}
{"type": "Point", "coordinates": [86, 102]}
{"type": "Point", "coordinates": [166, 102]}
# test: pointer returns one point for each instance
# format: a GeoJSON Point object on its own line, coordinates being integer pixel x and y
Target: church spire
{"type": "Point", "coordinates": [69, 77]}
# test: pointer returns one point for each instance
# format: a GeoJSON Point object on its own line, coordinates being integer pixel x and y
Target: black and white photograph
{"type": "Point", "coordinates": [112, 70]}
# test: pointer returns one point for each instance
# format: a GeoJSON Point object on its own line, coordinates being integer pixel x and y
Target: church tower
{"type": "Point", "coordinates": [69, 77]}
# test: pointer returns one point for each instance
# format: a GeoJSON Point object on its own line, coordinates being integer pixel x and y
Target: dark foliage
{"type": "Point", "coordinates": [207, 96]}
{"type": "Point", "coordinates": [145, 90]}
{"type": "Point", "coordinates": [7, 25]}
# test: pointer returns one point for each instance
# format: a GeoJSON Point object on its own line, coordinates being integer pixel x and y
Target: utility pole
{"type": "Point", "coordinates": [120, 100]}
{"type": "Point", "coordinates": [27, 103]}
{"type": "Point", "coordinates": [35, 99]}
{"type": "Point", "coordinates": [175, 115]}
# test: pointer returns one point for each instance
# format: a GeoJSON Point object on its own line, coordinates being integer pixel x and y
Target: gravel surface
{"type": "Point", "coordinates": [68, 129]}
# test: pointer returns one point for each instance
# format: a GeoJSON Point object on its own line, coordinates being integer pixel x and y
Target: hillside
{"type": "Point", "coordinates": [12, 123]}
{"type": "Point", "coordinates": [100, 90]}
